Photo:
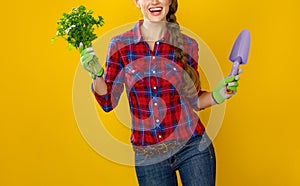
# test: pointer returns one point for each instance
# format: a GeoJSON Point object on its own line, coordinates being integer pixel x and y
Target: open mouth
{"type": "Point", "coordinates": [155, 9]}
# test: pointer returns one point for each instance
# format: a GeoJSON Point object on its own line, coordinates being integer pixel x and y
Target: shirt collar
{"type": "Point", "coordinates": [138, 34]}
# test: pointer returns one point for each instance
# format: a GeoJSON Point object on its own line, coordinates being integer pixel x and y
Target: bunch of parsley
{"type": "Point", "coordinates": [78, 27]}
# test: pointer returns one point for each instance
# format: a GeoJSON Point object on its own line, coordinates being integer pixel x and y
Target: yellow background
{"type": "Point", "coordinates": [258, 143]}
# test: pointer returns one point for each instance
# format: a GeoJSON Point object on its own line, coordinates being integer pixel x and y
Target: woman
{"type": "Point", "coordinates": [158, 66]}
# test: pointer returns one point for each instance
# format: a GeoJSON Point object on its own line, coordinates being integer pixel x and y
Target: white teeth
{"type": "Point", "coordinates": [155, 9]}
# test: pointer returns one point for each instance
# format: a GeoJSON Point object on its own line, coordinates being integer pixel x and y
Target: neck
{"type": "Point", "coordinates": [153, 31]}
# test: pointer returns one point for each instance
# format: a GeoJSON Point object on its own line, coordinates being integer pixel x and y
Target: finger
{"type": "Point", "coordinates": [233, 84]}
{"type": "Point", "coordinates": [86, 58]}
{"type": "Point", "coordinates": [237, 77]}
{"type": "Point", "coordinates": [87, 50]}
{"type": "Point", "coordinates": [232, 88]}
{"type": "Point", "coordinates": [240, 71]}
{"type": "Point", "coordinates": [229, 79]}
{"type": "Point", "coordinates": [86, 66]}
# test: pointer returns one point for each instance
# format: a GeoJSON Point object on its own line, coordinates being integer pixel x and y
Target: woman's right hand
{"type": "Point", "coordinates": [90, 62]}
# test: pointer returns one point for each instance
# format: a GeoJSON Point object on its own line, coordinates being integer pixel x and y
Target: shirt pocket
{"type": "Point", "coordinates": [134, 76]}
{"type": "Point", "coordinates": [173, 73]}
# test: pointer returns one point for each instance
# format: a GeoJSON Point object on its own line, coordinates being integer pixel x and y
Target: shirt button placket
{"type": "Point", "coordinates": [154, 71]}
{"type": "Point", "coordinates": [157, 122]}
{"type": "Point", "coordinates": [155, 103]}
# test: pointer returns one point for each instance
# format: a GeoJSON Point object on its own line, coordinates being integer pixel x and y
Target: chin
{"type": "Point", "coordinates": [156, 19]}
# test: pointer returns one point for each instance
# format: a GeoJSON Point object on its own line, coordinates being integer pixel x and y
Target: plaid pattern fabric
{"type": "Point", "coordinates": [153, 82]}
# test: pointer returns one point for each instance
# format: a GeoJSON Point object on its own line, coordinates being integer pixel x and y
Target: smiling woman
{"type": "Point", "coordinates": [159, 67]}
{"type": "Point", "coordinates": [258, 143]}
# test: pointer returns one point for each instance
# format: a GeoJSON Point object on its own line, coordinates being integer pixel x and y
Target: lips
{"type": "Point", "coordinates": [155, 9]}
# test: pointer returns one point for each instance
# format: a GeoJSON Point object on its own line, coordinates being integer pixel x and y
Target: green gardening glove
{"type": "Point", "coordinates": [225, 89]}
{"type": "Point", "coordinates": [90, 62]}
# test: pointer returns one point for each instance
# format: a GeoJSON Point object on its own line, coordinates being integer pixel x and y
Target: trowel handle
{"type": "Point", "coordinates": [235, 68]}
{"type": "Point", "coordinates": [234, 72]}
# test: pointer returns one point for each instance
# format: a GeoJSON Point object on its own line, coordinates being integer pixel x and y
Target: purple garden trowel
{"type": "Point", "coordinates": [239, 52]}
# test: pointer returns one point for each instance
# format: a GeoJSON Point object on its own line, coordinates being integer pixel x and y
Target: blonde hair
{"type": "Point", "coordinates": [191, 78]}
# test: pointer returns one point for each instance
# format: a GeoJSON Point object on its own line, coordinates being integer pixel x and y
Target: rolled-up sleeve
{"type": "Point", "coordinates": [193, 61]}
{"type": "Point", "coordinates": [113, 78]}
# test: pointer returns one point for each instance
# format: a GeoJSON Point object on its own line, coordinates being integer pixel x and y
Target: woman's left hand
{"type": "Point", "coordinates": [221, 93]}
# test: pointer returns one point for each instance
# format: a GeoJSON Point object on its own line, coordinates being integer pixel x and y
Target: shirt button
{"type": "Point", "coordinates": [153, 57]}
{"type": "Point", "coordinates": [157, 42]}
{"type": "Point", "coordinates": [159, 136]}
{"type": "Point", "coordinates": [154, 88]}
{"type": "Point", "coordinates": [174, 69]}
{"type": "Point", "coordinates": [154, 71]}
{"type": "Point", "coordinates": [155, 104]}
{"type": "Point", "coordinates": [157, 121]}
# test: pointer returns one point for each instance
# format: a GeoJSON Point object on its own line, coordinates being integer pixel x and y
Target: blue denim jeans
{"type": "Point", "coordinates": [195, 162]}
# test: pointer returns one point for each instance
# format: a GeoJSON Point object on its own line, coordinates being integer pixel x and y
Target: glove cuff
{"type": "Point", "coordinates": [99, 73]}
{"type": "Point", "coordinates": [217, 97]}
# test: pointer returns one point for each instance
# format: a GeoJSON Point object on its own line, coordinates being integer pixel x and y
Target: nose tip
{"type": "Point", "coordinates": [154, 1]}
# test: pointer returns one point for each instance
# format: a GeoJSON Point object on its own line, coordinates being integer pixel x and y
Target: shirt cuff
{"type": "Point", "coordinates": [102, 99]}
{"type": "Point", "coordinates": [195, 101]}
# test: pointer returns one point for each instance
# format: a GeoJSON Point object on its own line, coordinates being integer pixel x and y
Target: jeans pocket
{"type": "Point", "coordinates": [206, 143]}
{"type": "Point", "coordinates": [211, 151]}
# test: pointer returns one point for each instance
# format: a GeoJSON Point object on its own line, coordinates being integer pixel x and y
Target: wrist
{"type": "Point", "coordinates": [205, 100]}
{"type": "Point", "coordinates": [217, 97]}
{"type": "Point", "coordinates": [99, 86]}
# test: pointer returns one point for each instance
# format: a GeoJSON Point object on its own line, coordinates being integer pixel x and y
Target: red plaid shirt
{"type": "Point", "coordinates": [153, 81]}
